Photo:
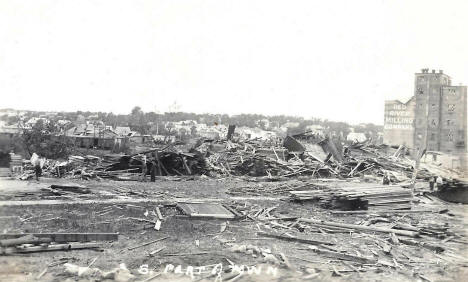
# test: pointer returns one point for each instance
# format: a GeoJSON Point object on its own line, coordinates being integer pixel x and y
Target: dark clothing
{"type": "Point", "coordinates": [153, 171]}
{"type": "Point", "coordinates": [143, 171]}
{"type": "Point", "coordinates": [385, 180]}
{"type": "Point", "coordinates": [431, 183]}
{"type": "Point", "coordinates": [38, 171]}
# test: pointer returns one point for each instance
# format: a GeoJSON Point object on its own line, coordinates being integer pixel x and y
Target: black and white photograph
{"type": "Point", "coordinates": [223, 140]}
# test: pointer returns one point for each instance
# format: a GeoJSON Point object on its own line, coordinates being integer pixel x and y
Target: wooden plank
{"type": "Point", "coordinates": [381, 211]}
{"type": "Point", "coordinates": [205, 210]}
{"type": "Point", "coordinates": [66, 237]}
{"type": "Point", "coordinates": [294, 239]}
{"type": "Point", "coordinates": [158, 212]}
{"type": "Point", "coordinates": [343, 256]}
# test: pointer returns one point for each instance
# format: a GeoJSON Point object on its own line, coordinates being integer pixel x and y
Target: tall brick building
{"type": "Point", "coordinates": [434, 118]}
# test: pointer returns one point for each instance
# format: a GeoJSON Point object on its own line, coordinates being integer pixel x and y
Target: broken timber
{"type": "Point", "coordinates": [343, 256]}
{"type": "Point", "coordinates": [360, 227]}
{"type": "Point", "coordinates": [295, 239]}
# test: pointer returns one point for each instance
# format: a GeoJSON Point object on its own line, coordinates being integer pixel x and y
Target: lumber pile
{"type": "Point", "coordinates": [358, 197]}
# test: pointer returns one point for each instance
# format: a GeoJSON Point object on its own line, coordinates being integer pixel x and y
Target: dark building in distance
{"type": "Point", "coordinates": [435, 118]}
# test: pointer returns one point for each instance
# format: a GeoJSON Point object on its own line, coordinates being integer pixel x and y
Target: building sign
{"type": "Point", "coordinates": [398, 116]}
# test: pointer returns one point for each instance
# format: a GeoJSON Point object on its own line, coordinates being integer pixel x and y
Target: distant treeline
{"type": "Point", "coordinates": [149, 122]}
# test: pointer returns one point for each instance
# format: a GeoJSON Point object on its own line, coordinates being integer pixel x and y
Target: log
{"type": "Point", "coordinates": [28, 239]}
{"type": "Point", "coordinates": [436, 248]}
{"type": "Point", "coordinates": [148, 243]}
{"type": "Point", "coordinates": [360, 227]}
{"type": "Point", "coordinates": [57, 247]}
{"type": "Point", "coordinates": [67, 237]}
{"type": "Point", "coordinates": [142, 220]}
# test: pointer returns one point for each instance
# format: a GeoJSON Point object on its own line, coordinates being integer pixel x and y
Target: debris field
{"type": "Point", "coordinates": [234, 211]}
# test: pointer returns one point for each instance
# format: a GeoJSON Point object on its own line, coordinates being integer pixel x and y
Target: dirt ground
{"type": "Point", "coordinates": [112, 206]}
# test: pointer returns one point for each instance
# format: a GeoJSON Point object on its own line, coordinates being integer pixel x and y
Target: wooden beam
{"type": "Point", "coordinates": [343, 256]}
{"type": "Point", "coordinates": [66, 237]}
{"type": "Point", "coordinates": [294, 239]}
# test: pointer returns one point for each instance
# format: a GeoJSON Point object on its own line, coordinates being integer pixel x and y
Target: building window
{"type": "Point", "coordinates": [420, 91]}
{"type": "Point", "coordinates": [461, 135]}
{"type": "Point", "coordinates": [434, 123]}
{"type": "Point", "coordinates": [451, 107]}
{"type": "Point", "coordinates": [432, 136]}
{"type": "Point", "coordinates": [450, 136]}
{"type": "Point", "coordinates": [449, 122]}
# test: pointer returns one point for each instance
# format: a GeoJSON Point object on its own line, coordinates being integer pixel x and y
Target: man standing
{"type": "Point", "coordinates": [37, 168]}
{"type": "Point", "coordinates": [440, 182]}
{"type": "Point", "coordinates": [386, 179]}
{"type": "Point", "coordinates": [431, 182]}
{"type": "Point", "coordinates": [153, 168]}
{"type": "Point", "coordinates": [144, 169]}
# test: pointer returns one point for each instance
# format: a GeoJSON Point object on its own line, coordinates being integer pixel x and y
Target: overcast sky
{"type": "Point", "coordinates": [337, 60]}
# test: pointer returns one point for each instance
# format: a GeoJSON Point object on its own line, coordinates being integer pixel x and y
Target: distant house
{"type": "Point", "coordinates": [291, 124]}
{"type": "Point", "coordinates": [90, 136]}
{"type": "Point", "coordinates": [253, 133]}
{"type": "Point", "coordinates": [123, 131]}
{"type": "Point", "coordinates": [63, 122]}
{"type": "Point", "coordinates": [10, 130]}
{"type": "Point", "coordinates": [32, 121]}
{"type": "Point", "coordinates": [356, 137]}
{"type": "Point", "coordinates": [209, 133]}
{"type": "Point", "coordinates": [141, 139]}
{"type": "Point", "coordinates": [164, 138]}
{"type": "Point", "coordinates": [315, 128]}
{"type": "Point", "coordinates": [7, 134]}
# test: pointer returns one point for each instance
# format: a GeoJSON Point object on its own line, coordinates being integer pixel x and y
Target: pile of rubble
{"type": "Point", "coordinates": [254, 158]}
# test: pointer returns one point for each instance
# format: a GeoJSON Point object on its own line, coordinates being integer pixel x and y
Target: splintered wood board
{"type": "Point", "coordinates": [205, 210]}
